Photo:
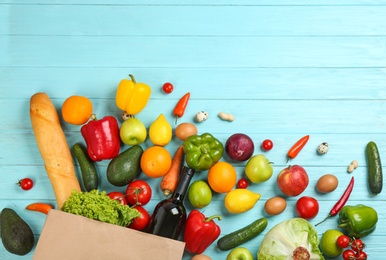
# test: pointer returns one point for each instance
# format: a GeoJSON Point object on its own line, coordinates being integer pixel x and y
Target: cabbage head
{"type": "Point", "coordinates": [292, 239]}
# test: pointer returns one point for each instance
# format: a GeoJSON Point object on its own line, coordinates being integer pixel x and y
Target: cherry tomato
{"type": "Point", "coordinates": [26, 184]}
{"type": "Point", "coordinates": [348, 254]}
{"type": "Point", "coordinates": [307, 207]}
{"type": "Point", "coordinates": [361, 255]}
{"type": "Point", "coordinates": [138, 192]}
{"type": "Point", "coordinates": [119, 196]}
{"type": "Point", "coordinates": [242, 183]}
{"type": "Point", "coordinates": [343, 241]}
{"type": "Point", "coordinates": [168, 87]}
{"type": "Point", "coordinates": [357, 245]}
{"type": "Point", "coordinates": [267, 145]}
{"type": "Point", "coordinates": [140, 222]}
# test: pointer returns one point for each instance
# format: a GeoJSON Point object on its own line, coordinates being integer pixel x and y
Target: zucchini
{"type": "Point", "coordinates": [374, 168]}
{"type": "Point", "coordinates": [87, 167]}
{"type": "Point", "coordinates": [242, 235]}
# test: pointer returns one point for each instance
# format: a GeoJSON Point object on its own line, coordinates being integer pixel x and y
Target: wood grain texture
{"type": "Point", "coordinates": [283, 68]}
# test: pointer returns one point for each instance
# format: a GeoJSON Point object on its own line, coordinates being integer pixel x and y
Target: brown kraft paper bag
{"type": "Point", "coordinates": [68, 236]}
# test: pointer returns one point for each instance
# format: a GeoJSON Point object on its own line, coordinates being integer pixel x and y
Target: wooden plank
{"type": "Point", "coordinates": [198, 2]}
{"type": "Point", "coordinates": [268, 20]}
{"type": "Point", "coordinates": [262, 83]}
{"type": "Point", "coordinates": [198, 51]}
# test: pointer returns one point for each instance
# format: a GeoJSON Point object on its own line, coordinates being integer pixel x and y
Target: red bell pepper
{"type": "Point", "coordinates": [200, 232]}
{"type": "Point", "coordinates": [102, 138]}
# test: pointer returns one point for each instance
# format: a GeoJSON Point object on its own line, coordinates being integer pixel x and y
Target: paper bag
{"type": "Point", "coordinates": [68, 236]}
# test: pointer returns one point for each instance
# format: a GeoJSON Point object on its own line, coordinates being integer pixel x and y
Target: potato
{"type": "Point", "coordinates": [184, 130]}
{"type": "Point", "coordinates": [201, 257]}
{"type": "Point", "coordinates": [327, 183]}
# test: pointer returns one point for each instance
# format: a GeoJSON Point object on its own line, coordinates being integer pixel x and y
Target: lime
{"type": "Point", "coordinates": [328, 244]}
{"type": "Point", "coordinates": [199, 194]}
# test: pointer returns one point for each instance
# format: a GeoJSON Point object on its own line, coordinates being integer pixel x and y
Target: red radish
{"type": "Point", "coordinates": [292, 180]}
{"type": "Point", "coordinates": [239, 147]}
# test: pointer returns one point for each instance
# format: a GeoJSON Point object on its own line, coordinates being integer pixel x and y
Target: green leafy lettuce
{"type": "Point", "coordinates": [98, 206]}
{"type": "Point", "coordinates": [291, 239]}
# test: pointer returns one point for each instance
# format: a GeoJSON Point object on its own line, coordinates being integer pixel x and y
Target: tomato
{"type": "Point", "coordinates": [242, 183]}
{"type": "Point", "coordinates": [168, 87]}
{"type": "Point", "coordinates": [361, 255]}
{"type": "Point", "coordinates": [138, 192]}
{"type": "Point", "coordinates": [343, 241]}
{"type": "Point", "coordinates": [348, 254]}
{"type": "Point", "coordinates": [26, 184]}
{"type": "Point", "coordinates": [140, 222]}
{"type": "Point", "coordinates": [357, 245]}
{"type": "Point", "coordinates": [267, 145]}
{"type": "Point", "coordinates": [307, 207]}
{"type": "Point", "coordinates": [119, 196]}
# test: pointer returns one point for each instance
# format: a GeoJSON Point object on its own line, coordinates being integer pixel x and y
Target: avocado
{"type": "Point", "coordinates": [16, 234]}
{"type": "Point", "coordinates": [125, 167]}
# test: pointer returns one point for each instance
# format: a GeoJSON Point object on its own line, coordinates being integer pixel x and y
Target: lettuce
{"type": "Point", "coordinates": [98, 206]}
{"type": "Point", "coordinates": [293, 239]}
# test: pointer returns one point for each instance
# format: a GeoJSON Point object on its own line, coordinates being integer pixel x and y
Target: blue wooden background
{"type": "Point", "coordinates": [283, 68]}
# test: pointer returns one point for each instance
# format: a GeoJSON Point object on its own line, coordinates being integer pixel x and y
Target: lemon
{"type": "Point", "coordinates": [328, 244]}
{"type": "Point", "coordinates": [199, 194]}
{"type": "Point", "coordinates": [240, 200]}
{"type": "Point", "coordinates": [160, 131]}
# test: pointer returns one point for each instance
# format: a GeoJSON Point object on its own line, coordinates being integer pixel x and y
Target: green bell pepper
{"type": "Point", "coordinates": [202, 151]}
{"type": "Point", "coordinates": [358, 221]}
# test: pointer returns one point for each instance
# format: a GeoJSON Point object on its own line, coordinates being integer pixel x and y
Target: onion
{"type": "Point", "coordinates": [239, 147]}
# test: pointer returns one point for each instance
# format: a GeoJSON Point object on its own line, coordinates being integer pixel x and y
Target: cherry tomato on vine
{"type": "Point", "coordinates": [168, 87]}
{"type": "Point", "coordinates": [307, 207]}
{"type": "Point", "coordinates": [357, 245]}
{"type": "Point", "coordinates": [242, 183]}
{"type": "Point", "coordinates": [348, 254]}
{"type": "Point", "coordinates": [140, 222]}
{"type": "Point", "coordinates": [361, 255]}
{"type": "Point", "coordinates": [26, 184]}
{"type": "Point", "coordinates": [138, 192]}
{"type": "Point", "coordinates": [267, 145]}
{"type": "Point", "coordinates": [119, 196]}
{"type": "Point", "coordinates": [343, 241]}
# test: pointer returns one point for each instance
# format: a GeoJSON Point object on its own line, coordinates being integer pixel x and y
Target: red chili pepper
{"type": "Point", "coordinates": [40, 207]}
{"type": "Point", "coordinates": [297, 147]}
{"type": "Point", "coordinates": [341, 202]}
{"type": "Point", "coordinates": [200, 232]}
{"type": "Point", "coordinates": [102, 138]}
{"type": "Point", "coordinates": [179, 110]}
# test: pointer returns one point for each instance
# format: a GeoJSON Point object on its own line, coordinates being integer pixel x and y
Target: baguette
{"type": "Point", "coordinates": [53, 147]}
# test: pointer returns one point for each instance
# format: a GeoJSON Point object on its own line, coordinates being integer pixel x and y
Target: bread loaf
{"type": "Point", "coordinates": [53, 147]}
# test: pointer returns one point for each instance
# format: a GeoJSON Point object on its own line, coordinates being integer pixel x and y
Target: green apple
{"type": "Point", "coordinates": [132, 131]}
{"type": "Point", "coordinates": [239, 253]}
{"type": "Point", "coordinates": [258, 169]}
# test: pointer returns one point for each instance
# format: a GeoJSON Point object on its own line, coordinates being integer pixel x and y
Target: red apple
{"type": "Point", "coordinates": [292, 180]}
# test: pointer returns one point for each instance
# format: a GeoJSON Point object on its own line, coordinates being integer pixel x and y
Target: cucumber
{"type": "Point", "coordinates": [87, 167]}
{"type": "Point", "coordinates": [374, 168]}
{"type": "Point", "coordinates": [242, 235]}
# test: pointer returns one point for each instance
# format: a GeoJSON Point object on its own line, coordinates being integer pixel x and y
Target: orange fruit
{"type": "Point", "coordinates": [222, 177]}
{"type": "Point", "coordinates": [156, 161]}
{"type": "Point", "coordinates": [76, 110]}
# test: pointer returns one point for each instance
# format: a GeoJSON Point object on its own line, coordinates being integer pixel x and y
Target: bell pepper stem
{"type": "Point", "coordinates": [343, 225]}
{"type": "Point", "coordinates": [132, 78]}
{"type": "Point", "coordinates": [213, 217]}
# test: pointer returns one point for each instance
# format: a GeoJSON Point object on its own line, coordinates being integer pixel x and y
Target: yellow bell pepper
{"type": "Point", "coordinates": [131, 96]}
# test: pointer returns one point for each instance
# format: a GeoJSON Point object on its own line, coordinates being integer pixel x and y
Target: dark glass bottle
{"type": "Point", "coordinates": [169, 216]}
